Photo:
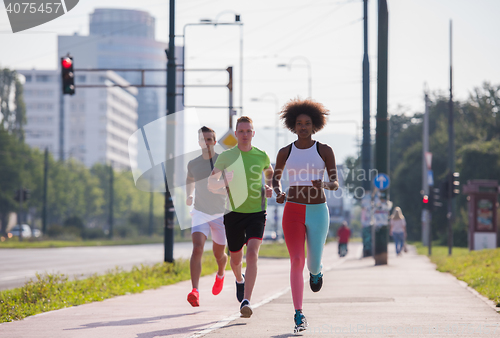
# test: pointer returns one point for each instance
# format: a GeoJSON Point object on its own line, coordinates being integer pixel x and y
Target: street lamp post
{"type": "Point", "coordinates": [276, 125]}
{"type": "Point", "coordinates": [205, 22]}
{"type": "Point", "coordinates": [308, 65]}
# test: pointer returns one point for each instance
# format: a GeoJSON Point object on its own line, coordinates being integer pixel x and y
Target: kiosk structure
{"type": "Point", "coordinates": [483, 205]}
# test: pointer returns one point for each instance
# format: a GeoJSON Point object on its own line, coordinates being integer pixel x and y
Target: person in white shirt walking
{"type": "Point", "coordinates": [398, 229]}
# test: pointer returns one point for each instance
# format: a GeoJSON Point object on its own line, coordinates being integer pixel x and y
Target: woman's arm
{"type": "Point", "coordinates": [278, 172]}
{"type": "Point", "coordinates": [328, 156]}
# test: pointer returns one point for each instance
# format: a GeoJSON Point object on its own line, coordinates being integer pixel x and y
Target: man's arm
{"type": "Point", "coordinates": [189, 190]}
{"type": "Point", "coordinates": [268, 178]}
{"type": "Point", "coordinates": [215, 184]}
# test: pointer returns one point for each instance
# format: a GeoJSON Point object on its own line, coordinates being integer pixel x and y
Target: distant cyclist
{"type": "Point", "coordinates": [306, 216]}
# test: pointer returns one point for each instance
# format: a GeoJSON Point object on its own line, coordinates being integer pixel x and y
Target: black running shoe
{"type": "Point", "coordinates": [300, 321]}
{"type": "Point", "coordinates": [240, 290]}
{"type": "Point", "coordinates": [316, 281]}
{"type": "Point", "coordinates": [245, 309]}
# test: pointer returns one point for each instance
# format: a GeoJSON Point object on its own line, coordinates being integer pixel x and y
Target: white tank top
{"type": "Point", "coordinates": [304, 165]}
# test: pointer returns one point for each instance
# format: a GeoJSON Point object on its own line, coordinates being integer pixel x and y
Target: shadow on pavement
{"type": "Point", "coordinates": [128, 322]}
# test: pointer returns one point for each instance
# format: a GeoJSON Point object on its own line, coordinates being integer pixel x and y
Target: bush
{"type": "Point", "coordinates": [74, 221]}
{"type": "Point", "coordinates": [125, 231]}
{"type": "Point", "coordinates": [93, 233]}
{"type": "Point", "coordinates": [64, 233]}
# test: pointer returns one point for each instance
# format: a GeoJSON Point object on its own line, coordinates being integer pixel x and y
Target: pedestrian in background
{"type": "Point", "coordinates": [398, 229]}
{"type": "Point", "coordinates": [306, 216]}
{"type": "Point", "coordinates": [206, 215]}
{"type": "Point", "coordinates": [343, 234]}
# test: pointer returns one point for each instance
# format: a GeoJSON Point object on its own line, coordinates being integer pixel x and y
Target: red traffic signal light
{"type": "Point", "coordinates": [67, 75]}
{"type": "Point", "coordinates": [66, 62]}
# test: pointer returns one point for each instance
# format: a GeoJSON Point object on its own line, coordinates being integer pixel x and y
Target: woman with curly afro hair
{"type": "Point", "coordinates": [306, 216]}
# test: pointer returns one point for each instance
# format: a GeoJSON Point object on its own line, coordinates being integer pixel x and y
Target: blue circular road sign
{"type": "Point", "coordinates": [382, 181]}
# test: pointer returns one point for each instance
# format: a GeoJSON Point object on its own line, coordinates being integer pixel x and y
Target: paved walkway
{"type": "Point", "coordinates": [406, 297]}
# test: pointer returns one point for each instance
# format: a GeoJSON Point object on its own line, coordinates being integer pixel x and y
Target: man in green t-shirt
{"type": "Point", "coordinates": [240, 169]}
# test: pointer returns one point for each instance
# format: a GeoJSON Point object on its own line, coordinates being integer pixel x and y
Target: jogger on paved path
{"type": "Point", "coordinates": [240, 170]}
{"type": "Point", "coordinates": [306, 216]}
{"type": "Point", "coordinates": [206, 215]}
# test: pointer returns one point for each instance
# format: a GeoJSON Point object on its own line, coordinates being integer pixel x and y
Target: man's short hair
{"type": "Point", "coordinates": [243, 119]}
{"type": "Point", "coordinates": [205, 129]}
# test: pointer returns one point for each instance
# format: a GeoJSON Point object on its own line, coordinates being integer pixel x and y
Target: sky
{"type": "Point", "coordinates": [326, 35]}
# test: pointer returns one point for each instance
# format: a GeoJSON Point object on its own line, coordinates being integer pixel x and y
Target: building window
{"type": "Point", "coordinates": [43, 78]}
{"type": "Point", "coordinates": [81, 78]}
{"type": "Point", "coordinates": [28, 78]}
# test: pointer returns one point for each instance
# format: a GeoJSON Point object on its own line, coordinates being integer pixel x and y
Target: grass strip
{"type": "Point", "coordinates": [479, 269]}
{"type": "Point", "coordinates": [51, 292]}
{"type": "Point", "coordinates": [14, 243]}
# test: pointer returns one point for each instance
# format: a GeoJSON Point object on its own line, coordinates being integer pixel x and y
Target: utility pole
{"type": "Point", "coordinates": [451, 154]}
{"type": "Point", "coordinates": [382, 129]}
{"type": "Point", "coordinates": [111, 196]}
{"type": "Point", "coordinates": [169, 161]}
{"type": "Point", "coordinates": [61, 124]}
{"type": "Point", "coordinates": [45, 182]}
{"type": "Point", "coordinates": [425, 168]}
{"type": "Point", "coordinates": [366, 147]}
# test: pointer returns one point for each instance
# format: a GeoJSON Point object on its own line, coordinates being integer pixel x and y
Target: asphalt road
{"type": "Point", "coordinates": [20, 265]}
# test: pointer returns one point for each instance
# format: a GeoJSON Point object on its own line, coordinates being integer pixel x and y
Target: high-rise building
{"type": "Point", "coordinates": [98, 122]}
{"type": "Point", "coordinates": [125, 39]}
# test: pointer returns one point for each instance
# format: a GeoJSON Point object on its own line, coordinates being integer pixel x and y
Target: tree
{"type": "Point", "coordinates": [12, 107]}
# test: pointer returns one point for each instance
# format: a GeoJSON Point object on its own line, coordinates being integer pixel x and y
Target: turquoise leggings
{"type": "Point", "coordinates": [301, 223]}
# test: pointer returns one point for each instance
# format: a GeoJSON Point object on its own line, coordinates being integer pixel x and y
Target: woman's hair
{"type": "Point", "coordinates": [397, 213]}
{"type": "Point", "coordinates": [295, 107]}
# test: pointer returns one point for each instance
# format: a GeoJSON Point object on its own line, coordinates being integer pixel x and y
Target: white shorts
{"type": "Point", "coordinates": [204, 223]}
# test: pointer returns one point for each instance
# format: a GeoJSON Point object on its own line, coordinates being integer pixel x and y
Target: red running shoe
{"type": "Point", "coordinates": [218, 284]}
{"type": "Point", "coordinates": [194, 298]}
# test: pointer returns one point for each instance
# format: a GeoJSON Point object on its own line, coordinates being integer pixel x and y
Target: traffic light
{"type": "Point", "coordinates": [68, 76]}
{"type": "Point", "coordinates": [456, 184]}
{"type": "Point", "coordinates": [25, 192]}
{"type": "Point", "coordinates": [425, 202]}
{"type": "Point", "coordinates": [436, 198]}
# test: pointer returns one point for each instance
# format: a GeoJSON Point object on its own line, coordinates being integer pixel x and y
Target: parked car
{"type": "Point", "coordinates": [16, 230]}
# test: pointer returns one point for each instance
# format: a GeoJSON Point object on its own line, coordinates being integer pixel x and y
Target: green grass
{"type": "Point", "coordinates": [479, 269]}
{"type": "Point", "coordinates": [274, 250]}
{"type": "Point", "coordinates": [52, 292]}
{"type": "Point", "coordinates": [14, 243]}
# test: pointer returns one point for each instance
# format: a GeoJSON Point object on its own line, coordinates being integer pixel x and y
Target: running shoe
{"type": "Point", "coordinates": [300, 321]}
{"type": "Point", "coordinates": [245, 309]}
{"type": "Point", "coordinates": [194, 298]}
{"type": "Point", "coordinates": [218, 284]}
{"type": "Point", "coordinates": [240, 290]}
{"type": "Point", "coordinates": [316, 281]}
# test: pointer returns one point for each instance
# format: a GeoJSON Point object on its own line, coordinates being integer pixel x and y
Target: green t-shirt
{"type": "Point", "coordinates": [246, 191]}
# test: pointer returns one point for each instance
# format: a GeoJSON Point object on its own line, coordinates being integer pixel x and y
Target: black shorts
{"type": "Point", "coordinates": [241, 227]}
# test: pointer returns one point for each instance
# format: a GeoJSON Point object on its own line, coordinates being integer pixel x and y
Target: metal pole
{"type": "Point", "coordinates": [425, 184]}
{"type": "Point", "coordinates": [20, 215]}
{"type": "Point", "coordinates": [45, 182]}
{"type": "Point", "coordinates": [111, 193]}
{"type": "Point", "coordinates": [61, 123]}
{"type": "Point", "coordinates": [366, 104]}
{"type": "Point", "coordinates": [230, 87]}
{"type": "Point", "coordinates": [171, 96]}
{"type": "Point", "coordinates": [382, 129]}
{"type": "Point", "coordinates": [451, 153]}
